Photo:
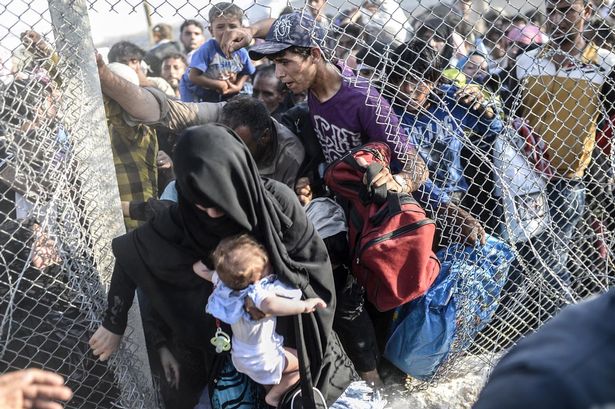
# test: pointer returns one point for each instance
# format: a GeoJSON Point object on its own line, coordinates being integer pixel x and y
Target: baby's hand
{"type": "Point", "coordinates": [312, 304]}
{"type": "Point", "coordinates": [202, 271]}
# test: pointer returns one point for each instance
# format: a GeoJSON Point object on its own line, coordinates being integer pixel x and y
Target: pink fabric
{"type": "Point", "coordinates": [604, 136]}
{"type": "Point", "coordinates": [526, 35]}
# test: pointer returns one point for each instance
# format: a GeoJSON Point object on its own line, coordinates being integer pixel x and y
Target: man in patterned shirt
{"type": "Point", "coordinates": [135, 150]}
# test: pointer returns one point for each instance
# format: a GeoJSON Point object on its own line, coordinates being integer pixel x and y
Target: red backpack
{"type": "Point", "coordinates": [389, 234]}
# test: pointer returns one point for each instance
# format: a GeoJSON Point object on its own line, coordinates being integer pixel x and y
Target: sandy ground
{"type": "Point", "coordinates": [457, 390]}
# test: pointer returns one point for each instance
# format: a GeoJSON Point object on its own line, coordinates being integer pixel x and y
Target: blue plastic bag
{"type": "Point", "coordinates": [465, 294]}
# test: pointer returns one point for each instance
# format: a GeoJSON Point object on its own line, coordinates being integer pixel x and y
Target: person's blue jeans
{"type": "Point", "coordinates": [566, 200]}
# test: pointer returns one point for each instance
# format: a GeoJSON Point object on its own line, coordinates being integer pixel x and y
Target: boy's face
{"type": "Point", "coordinates": [476, 67]}
{"type": "Point", "coordinates": [415, 91]}
{"type": "Point", "coordinates": [222, 24]}
{"type": "Point", "coordinates": [295, 71]}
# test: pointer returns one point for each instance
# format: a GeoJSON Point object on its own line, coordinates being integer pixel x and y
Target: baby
{"type": "Point", "coordinates": [243, 271]}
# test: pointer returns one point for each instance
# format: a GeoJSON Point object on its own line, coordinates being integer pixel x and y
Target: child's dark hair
{"type": "Point", "coordinates": [176, 56]}
{"type": "Point", "coordinates": [224, 9]}
{"type": "Point", "coordinates": [416, 58]}
{"type": "Point", "coordinates": [234, 258]}
{"type": "Point", "coordinates": [125, 50]}
{"type": "Point", "coordinates": [303, 52]}
{"type": "Point", "coordinates": [190, 22]}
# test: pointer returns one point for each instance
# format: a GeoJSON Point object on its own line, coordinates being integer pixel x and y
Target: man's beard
{"type": "Point", "coordinates": [174, 83]}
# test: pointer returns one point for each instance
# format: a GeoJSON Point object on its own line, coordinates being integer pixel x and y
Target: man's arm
{"type": "Point", "coordinates": [135, 100]}
{"type": "Point", "coordinates": [154, 107]}
{"type": "Point", "coordinates": [238, 38]}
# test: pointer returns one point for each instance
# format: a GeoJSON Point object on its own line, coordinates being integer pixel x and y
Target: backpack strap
{"type": "Point", "coordinates": [378, 194]}
{"type": "Point", "coordinates": [394, 202]}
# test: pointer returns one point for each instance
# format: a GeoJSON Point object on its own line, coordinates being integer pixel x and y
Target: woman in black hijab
{"type": "Point", "coordinates": [222, 194]}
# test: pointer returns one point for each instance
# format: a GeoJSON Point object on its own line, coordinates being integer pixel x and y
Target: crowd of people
{"type": "Point", "coordinates": [236, 247]}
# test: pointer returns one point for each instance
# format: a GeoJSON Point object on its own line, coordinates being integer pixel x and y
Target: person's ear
{"type": "Point", "coordinates": [588, 11]}
{"type": "Point", "coordinates": [211, 31]}
{"type": "Point", "coordinates": [265, 139]}
{"type": "Point", "coordinates": [315, 54]}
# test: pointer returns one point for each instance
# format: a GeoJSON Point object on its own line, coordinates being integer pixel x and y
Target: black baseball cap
{"type": "Point", "coordinates": [288, 30]}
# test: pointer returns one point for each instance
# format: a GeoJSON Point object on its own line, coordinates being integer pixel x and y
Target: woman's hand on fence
{"type": "Point", "coordinates": [104, 343]}
{"type": "Point", "coordinates": [32, 388]}
{"type": "Point", "coordinates": [170, 366]}
{"type": "Point", "coordinates": [36, 44]}
{"type": "Point", "coordinates": [44, 252]}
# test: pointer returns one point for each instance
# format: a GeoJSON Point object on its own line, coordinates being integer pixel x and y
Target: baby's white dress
{"type": "Point", "coordinates": [256, 349]}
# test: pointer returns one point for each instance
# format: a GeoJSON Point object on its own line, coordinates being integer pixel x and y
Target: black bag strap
{"type": "Point", "coordinates": [394, 202]}
{"type": "Point", "coordinates": [378, 194]}
{"type": "Point", "coordinates": [305, 376]}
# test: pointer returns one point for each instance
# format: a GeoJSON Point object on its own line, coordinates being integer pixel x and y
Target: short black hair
{"type": "Point", "coordinates": [352, 30]}
{"type": "Point", "coordinates": [268, 70]}
{"type": "Point", "coordinates": [243, 110]}
{"type": "Point", "coordinates": [125, 50]}
{"type": "Point", "coordinates": [438, 29]}
{"type": "Point", "coordinates": [417, 58]}
{"type": "Point", "coordinates": [176, 56]}
{"type": "Point", "coordinates": [519, 18]}
{"type": "Point", "coordinates": [304, 52]}
{"type": "Point", "coordinates": [372, 56]}
{"type": "Point", "coordinates": [536, 16]}
{"type": "Point", "coordinates": [164, 30]}
{"type": "Point", "coordinates": [191, 22]}
{"type": "Point", "coordinates": [602, 32]}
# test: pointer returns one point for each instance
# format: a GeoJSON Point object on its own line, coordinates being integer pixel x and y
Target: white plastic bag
{"type": "Point", "coordinates": [521, 188]}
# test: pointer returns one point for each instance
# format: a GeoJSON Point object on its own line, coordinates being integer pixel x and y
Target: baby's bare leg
{"type": "Point", "coordinates": [290, 376]}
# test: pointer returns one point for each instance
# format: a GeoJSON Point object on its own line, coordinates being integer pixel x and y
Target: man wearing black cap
{"type": "Point", "coordinates": [340, 110]}
{"type": "Point", "coordinates": [345, 111]}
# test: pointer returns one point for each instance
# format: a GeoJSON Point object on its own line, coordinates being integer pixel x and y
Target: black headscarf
{"type": "Point", "coordinates": [215, 169]}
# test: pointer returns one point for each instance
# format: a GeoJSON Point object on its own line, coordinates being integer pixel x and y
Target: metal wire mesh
{"type": "Point", "coordinates": [541, 183]}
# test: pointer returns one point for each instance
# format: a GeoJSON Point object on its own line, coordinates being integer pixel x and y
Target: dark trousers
{"type": "Point", "coordinates": [352, 323]}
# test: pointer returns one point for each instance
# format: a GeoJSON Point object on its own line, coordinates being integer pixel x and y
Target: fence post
{"type": "Point", "coordinates": [83, 100]}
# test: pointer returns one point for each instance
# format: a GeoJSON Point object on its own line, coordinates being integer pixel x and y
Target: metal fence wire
{"type": "Point", "coordinates": [529, 158]}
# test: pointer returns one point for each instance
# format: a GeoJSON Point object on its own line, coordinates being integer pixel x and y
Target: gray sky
{"type": "Point", "coordinates": [127, 21]}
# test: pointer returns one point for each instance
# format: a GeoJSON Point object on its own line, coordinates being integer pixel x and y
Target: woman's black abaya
{"type": "Point", "coordinates": [214, 169]}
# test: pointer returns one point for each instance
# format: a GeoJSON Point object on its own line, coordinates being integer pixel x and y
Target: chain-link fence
{"type": "Point", "coordinates": [512, 113]}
